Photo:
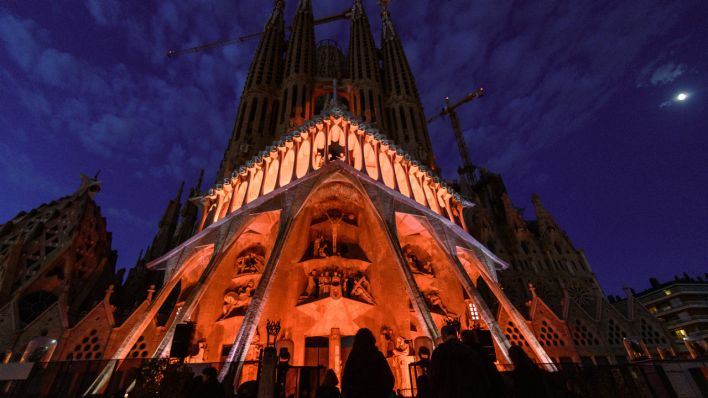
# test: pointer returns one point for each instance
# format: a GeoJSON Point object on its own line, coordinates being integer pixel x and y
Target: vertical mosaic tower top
{"type": "Point", "coordinates": [291, 81]}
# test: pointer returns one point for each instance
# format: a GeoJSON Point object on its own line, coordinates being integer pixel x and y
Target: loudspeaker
{"type": "Point", "coordinates": [180, 341]}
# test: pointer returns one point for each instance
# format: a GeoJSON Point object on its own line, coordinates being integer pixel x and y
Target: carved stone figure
{"type": "Point", "coordinates": [387, 341]}
{"type": "Point", "coordinates": [311, 285]}
{"type": "Point", "coordinates": [316, 246]}
{"type": "Point", "coordinates": [335, 218]}
{"type": "Point", "coordinates": [230, 300]}
{"type": "Point", "coordinates": [436, 305]}
{"type": "Point", "coordinates": [336, 283]}
{"type": "Point", "coordinates": [335, 290]}
{"type": "Point", "coordinates": [319, 248]}
{"type": "Point", "coordinates": [237, 299]}
{"type": "Point", "coordinates": [336, 151]}
{"type": "Point", "coordinates": [416, 265]}
{"type": "Point", "coordinates": [325, 281]}
{"type": "Point", "coordinates": [249, 263]}
{"type": "Point", "coordinates": [411, 259]}
{"type": "Point", "coordinates": [426, 267]}
{"type": "Point", "coordinates": [360, 290]}
{"type": "Point", "coordinates": [400, 359]}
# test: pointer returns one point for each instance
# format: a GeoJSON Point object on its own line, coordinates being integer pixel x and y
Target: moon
{"type": "Point", "coordinates": [682, 97]}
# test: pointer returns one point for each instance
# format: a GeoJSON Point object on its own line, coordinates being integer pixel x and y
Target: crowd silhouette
{"type": "Point", "coordinates": [459, 367]}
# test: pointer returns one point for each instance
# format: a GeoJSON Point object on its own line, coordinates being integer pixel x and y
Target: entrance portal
{"type": "Point", "coordinates": [317, 351]}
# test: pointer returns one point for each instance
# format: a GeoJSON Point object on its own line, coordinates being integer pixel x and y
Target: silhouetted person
{"type": "Point", "coordinates": [529, 380]}
{"type": "Point", "coordinates": [456, 371]}
{"type": "Point", "coordinates": [422, 383]}
{"type": "Point", "coordinates": [497, 388]}
{"type": "Point", "coordinates": [366, 373]}
{"type": "Point", "coordinates": [329, 388]}
{"type": "Point", "coordinates": [210, 387]}
{"type": "Point", "coordinates": [194, 387]}
{"type": "Point", "coordinates": [247, 389]}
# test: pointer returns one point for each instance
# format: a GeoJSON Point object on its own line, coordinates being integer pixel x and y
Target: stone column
{"type": "Point", "coordinates": [335, 352]}
{"type": "Point", "coordinates": [266, 380]}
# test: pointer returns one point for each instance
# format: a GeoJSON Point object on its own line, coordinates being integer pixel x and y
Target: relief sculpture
{"type": "Point", "coordinates": [417, 265]}
{"type": "Point", "coordinates": [336, 283]}
{"type": "Point", "coordinates": [236, 300]}
{"type": "Point", "coordinates": [436, 305]}
{"type": "Point", "coordinates": [249, 263]}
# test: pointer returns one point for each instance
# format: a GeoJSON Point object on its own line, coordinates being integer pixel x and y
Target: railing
{"type": "Point", "coordinates": [334, 137]}
{"type": "Point", "coordinates": [134, 377]}
{"type": "Point", "coordinates": [160, 378]}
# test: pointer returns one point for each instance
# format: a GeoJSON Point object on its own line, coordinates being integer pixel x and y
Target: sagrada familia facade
{"type": "Point", "coordinates": [328, 215]}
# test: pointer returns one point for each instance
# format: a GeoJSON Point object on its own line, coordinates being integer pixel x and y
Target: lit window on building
{"type": "Point", "coordinates": [474, 313]}
{"type": "Point", "coordinates": [667, 292]}
{"type": "Point", "coordinates": [680, 333]}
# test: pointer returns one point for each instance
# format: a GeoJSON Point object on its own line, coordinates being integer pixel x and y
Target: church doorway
{"type": "Point", "coordinates": [317, 351]}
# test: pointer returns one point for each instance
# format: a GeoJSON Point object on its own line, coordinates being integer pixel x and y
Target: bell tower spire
{"type": "Point", "coordinates": [405, 120]}
{"type": "Point", "coordinates": [364, 68]}
{"type": "Point", "coordinates": [162, 243]}
{"type": "Point", "coordinates": [299, 71]}
{"type": "Point", "coordinates": [256, 118]}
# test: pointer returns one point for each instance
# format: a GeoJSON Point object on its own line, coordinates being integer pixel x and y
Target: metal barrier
{"type": "Point", "coordinates": [132, 378]}
{"type": "Point", "coordinates": [162, 378]}
{"type": "Point", "coordinates": [298, 381]}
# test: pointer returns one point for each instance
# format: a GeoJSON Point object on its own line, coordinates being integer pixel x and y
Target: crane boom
{"type": "Point", "coordinates": [467, 169]}
{"type": "Point", "coordinates": [220, 43]}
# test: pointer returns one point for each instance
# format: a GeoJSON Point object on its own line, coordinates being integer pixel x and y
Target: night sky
{"type": "Point", "coordinates": [580, 108]}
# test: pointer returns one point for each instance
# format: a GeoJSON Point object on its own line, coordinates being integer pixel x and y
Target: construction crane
{"type": "Point", "coordinates": [220, 43]}
{"type": "Point", "coordinates": [466, 171]}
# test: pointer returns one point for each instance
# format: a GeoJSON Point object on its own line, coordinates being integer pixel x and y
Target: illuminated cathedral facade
{"type": "Point", "coordinates": [328, 215]}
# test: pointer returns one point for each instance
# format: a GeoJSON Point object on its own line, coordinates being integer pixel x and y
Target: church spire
{"type": "Point", "coordinates": [364, 68]}
{"type": "Point", "coordinates": [548, 228]}
{"type": "Point", "coordinates": [300, 70]}
{"type": "Point", "coordinates": [405, 120]}
{"type": "Point", "coordinates": [188, 214]}
{"type": "Point", "coordinates": [162, 243]}
{"type": "Point", "coordinates": [256, 118]}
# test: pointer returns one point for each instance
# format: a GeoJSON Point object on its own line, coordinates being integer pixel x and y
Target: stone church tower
{"type": "Point", "coordinates": [288, 85]}
{"type": "Point", "coordinates": [551, 282]}
{"type": "Point", "coordinates": [55, 263]}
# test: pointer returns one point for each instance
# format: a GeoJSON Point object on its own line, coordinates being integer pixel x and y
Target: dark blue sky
{"type": "Point", "coordinates": [579, 109]}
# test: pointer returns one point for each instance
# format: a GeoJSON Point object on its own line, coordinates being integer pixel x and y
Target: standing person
{"type": "Point", "coordinates": [329, 389]}
{"type": "Point", "coordinates": [496, 382]}
{"type": "Point", "coordinates": [210, 387]}
{"type": "Point", "coordinates": [529, 380]}
{"type": "Point", "coordinates": [422, 382]}
{"type": "Point", "coordinates": [456, 371]}
{"type": "Point", "coordinates": [366, 373]}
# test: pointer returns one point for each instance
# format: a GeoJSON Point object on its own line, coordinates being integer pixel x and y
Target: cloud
{"type": "Point", "coordinates": [105, 12]}
{"type": "Point", "coordinates": [659, 76]}
{"type": "Point", "coordinates": [126, 217]}
{"type": "Point", "coordinates": [117, 112]}
{"type": "Point", "coordinates": [19, 170]}
{"type": "Point", "coordinates": [18, 37]}
{"type": "Point", "coordinates": [547, 68]}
